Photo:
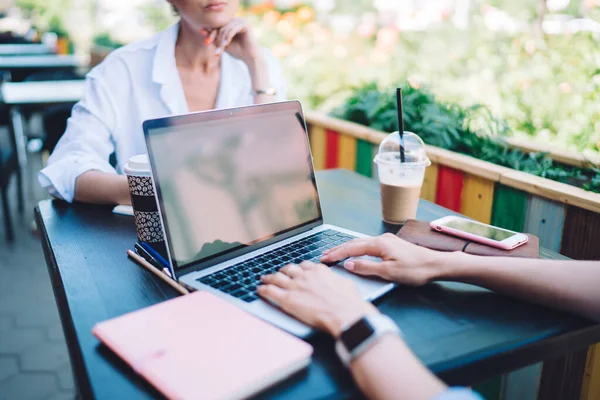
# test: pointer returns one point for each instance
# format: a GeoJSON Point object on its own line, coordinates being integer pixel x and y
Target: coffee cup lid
{"type": "Point", "coordinates": [415, 153]}
{"type": "Point", "coordinates": [139, 163]}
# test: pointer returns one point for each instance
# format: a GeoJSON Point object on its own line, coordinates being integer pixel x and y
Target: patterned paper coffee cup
{"type": "Point", "coordinates": [143, 199]}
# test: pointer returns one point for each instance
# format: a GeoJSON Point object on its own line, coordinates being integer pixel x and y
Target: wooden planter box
{"type": "Point", "coordinates": [566, 219]}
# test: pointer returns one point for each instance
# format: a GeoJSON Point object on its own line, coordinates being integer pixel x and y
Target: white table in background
{"type": "Point", "coordinates": [40, 61]}
{"type": "Point", "coordinates": [25, 49]}
{"type": "Point", "coordinates": [41, 92]}
{"type": "Point", "coordinates": [17, 94]}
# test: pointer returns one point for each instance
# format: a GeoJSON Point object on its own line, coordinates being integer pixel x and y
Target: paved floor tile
{"type": "Point", "coordinates": [17, 340]}
{"type": "Point", "coordinates": [46, 356]}
{"type": "Point", "coordinates": [28, 386]}
{"type": "Point", "coordinates": [37, 315]}
{"type": "Point", "coordinates": [30, 332]}
{"type": "Point", "coordinates": [62, 395]}
{"type": "Point", "coordinates": [10, 301]}
{"type": "Point", "coordinates": [44, 294]}
{"type": "Point", "coordinates": [40, 290]}
{"type": "Point", "coordinates": [18, 281]}
{"type": "Point", "coordinates": [65, 377]}
{"type": "Point", "coordinates": [6, 286]}
{"type": "Point", "coordinates": [55, 331]}
{"type": "Point", "coordinates": [5, 323]}
{"type": "Point", "coordinates": [8, 367]}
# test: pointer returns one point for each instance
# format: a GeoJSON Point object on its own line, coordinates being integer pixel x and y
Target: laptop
{"type": "Point", "coordinates": [238, 199]}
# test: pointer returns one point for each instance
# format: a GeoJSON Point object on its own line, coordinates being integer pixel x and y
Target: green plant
{"type": "Point", "coordinates": [469, 130]}
{"type": "Point", "coordinates": [546, 87]}
{"type": "Point", "coordinates": [47, 15]}
{"type": "Point", "coordinates": [158, 15]}
{"type": "Point", "coordinates": [105, 40]}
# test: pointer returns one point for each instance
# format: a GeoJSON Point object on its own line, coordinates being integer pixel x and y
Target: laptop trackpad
{"type": "Point", "coordinates": [273, 315]}
{"type": "Point", "coordinates": [370, 288]}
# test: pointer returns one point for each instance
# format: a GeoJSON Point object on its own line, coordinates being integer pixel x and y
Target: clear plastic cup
{"type": "Point", "coordinates": [401, 182]}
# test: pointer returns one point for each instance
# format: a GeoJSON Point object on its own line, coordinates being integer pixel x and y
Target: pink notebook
{"type": "Point", "coordinates": [201, 347]}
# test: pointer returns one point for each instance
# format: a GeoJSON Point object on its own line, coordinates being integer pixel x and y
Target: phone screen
{"type": "Point", "coordinates": [490, 232]}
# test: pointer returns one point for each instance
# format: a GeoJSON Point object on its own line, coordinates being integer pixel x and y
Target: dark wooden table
{"type": "Point", "coordinates": [463, 333]}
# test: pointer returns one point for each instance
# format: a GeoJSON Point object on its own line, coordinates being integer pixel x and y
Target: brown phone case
{"type": "Point", "coordinates": [419, 233]}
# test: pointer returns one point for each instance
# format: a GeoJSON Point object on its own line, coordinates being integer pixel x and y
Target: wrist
{"type": "Point", "coordinates": [122, 192]}
{"type": "Point", "coordinates": [335, 322]}
{"type": "Point", "coordinates": [258, 68]}
{"type": "Point", "coordinates": [255, 60]}
{"type": "Point", "coordinates": [447, 265]}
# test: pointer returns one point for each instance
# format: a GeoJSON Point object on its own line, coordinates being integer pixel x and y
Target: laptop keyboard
{"type": "Point", "coordinates": [241, 280]}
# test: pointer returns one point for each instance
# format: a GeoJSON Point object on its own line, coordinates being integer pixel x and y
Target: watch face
{"type": "Point", "coordinates": [356, 334]}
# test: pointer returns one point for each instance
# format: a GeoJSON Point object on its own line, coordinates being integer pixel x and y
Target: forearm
{"type": "Point", "coordinates": [259, 73]}
{"type": "Point", "coordinates": [567, 285]}
{"type": "Point", "coordinates": [102, 188]}
{"type": "Point", "coordinates": [389, 370]}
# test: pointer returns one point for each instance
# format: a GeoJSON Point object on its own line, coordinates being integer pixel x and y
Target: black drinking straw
{"type": "Point", "coordinates": [400, 122]}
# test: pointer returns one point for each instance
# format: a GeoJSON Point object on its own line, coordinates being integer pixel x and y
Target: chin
{"type": "Point", "coordinates": [216, 21]}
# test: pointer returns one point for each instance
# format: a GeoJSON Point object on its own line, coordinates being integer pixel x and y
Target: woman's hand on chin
{"type": "Point", "coordinates": [237, 39]}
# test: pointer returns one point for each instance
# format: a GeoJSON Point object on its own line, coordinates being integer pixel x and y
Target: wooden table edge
{"type": "Point", "coordinates": [82, 379]}
{"type": "Point", "coordinates": [473, 370]}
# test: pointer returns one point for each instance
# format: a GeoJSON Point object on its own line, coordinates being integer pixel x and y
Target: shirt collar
{"type": "Point", "coordinates": [225, 94]}
{"type": "Point", "coordinates": [235, 86]}
{"type": "Point", "coordinates": [164, 57]}
{"type": "Point", "coordinates": [164, 71]}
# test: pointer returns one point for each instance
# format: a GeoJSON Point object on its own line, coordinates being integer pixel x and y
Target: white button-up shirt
{"type": "Point", "coordinates": [135, 83]}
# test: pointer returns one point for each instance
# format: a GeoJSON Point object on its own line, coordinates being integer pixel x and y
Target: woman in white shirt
{"type": "Point", "coordinates": [208, 60]}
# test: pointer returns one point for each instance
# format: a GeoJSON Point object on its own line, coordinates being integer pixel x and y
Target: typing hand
{"type": "Point", "coordinates": [402, 262]}
{"type": "Point", "coordinates": [315, 295]}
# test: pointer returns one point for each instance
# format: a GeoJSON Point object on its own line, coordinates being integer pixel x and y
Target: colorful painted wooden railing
{"type": "Point", "coordinates": [565, 218]}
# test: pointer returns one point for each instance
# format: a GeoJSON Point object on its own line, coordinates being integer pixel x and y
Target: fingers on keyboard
{"type": "Point", "coordinates": [241, 280]}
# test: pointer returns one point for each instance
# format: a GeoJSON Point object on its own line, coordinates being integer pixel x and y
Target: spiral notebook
{"type": "Point", "coordinates": [201, 347]}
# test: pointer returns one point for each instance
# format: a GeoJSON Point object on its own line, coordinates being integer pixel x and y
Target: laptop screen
{"type": "Point", "coordinates": [230, 179]}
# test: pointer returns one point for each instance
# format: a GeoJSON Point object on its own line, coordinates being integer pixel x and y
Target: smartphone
{"type": "Point", "coordinates": [478, 232]}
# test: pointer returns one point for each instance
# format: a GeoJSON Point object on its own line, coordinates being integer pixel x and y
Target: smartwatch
{"type": "Point", "coordinates": [358, 337]}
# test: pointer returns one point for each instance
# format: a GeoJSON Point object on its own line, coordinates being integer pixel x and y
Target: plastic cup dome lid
{"type": "Point", "coordinates": [415, 154]}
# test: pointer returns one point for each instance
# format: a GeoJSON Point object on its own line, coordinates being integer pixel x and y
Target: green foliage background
{"type": "Point", "coordinates": [471, 130]}
{"type": "Point", "coordinates": [546, 87]}
{"type": "Point", "coordinates": [47, 15]}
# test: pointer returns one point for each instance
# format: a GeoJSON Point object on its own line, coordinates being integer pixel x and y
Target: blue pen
{"type": "Point", "coordinates": [147, 256]}
{"type": "Point", "coordinates": [155, 254]}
